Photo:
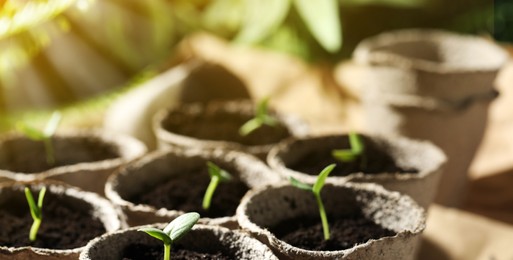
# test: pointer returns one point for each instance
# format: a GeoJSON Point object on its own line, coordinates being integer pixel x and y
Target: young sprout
{"type": "Point", "coordinates": [349, 155]}
{"type": "Point", "coordinates": [316, 190]}
{"type": "Point", "coordinates": [175, 230]}
{"type": "Point", "coordinates": [262, 117]}
{"type": "Point", "coordinates": [217, 175]}
{"type": "Point", "coordinates": [45, 135]}
{"type": "Point", "coordinates": [35, 210]}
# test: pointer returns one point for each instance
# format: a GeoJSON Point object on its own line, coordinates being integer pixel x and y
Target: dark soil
{"type": "Point", "coordinates": [345, 232]}
{"type": "Point", "coordinates": [61, 227]}
{"type": "Point", "coordinates": [27, 156]}
{"type": "Point", "coordinates": [185, 192]}
{"type": "Point", "coordinates": [147, 252]}
{"type": "Point", "coordinates": [373, 161]}
{"type": "Point", "coordinates": [222, 127]}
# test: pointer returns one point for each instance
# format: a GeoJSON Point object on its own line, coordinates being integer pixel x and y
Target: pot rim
{"type": "Point", "coordinates": [127, 149]}
{"type": "Point", "coordinates": [368, 51]}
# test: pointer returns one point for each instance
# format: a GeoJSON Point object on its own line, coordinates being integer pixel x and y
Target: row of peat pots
{"type": "Point", "coordinates": [266, 189]}
{"type": "Point", "coordinates": [254, 213]}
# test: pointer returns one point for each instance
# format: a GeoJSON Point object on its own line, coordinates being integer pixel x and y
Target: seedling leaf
{"type": "Point", "coordinates": [158, 234]}
{"type": "Point", "coordinates": [294, 182]}
{"type": "Point", "coordinates": [262, 117]}
{"type": "Point", "coordinates": [52, 124]}
{"type": "Point", "coordinates": [34, 210]}
{"type": "Point", "coordinates": [181, 225]}
{"type": "Point", "coordinates": [30, 132]}
{"type": "Point", "coordinates": [250, 126]}
{"type": "Point", "coordinates": [173, 231]}
{"type": "Point", "coordinates": [322, 178]}
{"type": "Point", "coordinates": [356, 150]}
{"type": "Point", "coordinates": [214, 170]}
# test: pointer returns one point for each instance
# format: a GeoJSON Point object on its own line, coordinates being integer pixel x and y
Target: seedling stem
{"type": "Point", "coordinates": [217, 175]}
{"type": "Point", "coordinates": [36, 211]}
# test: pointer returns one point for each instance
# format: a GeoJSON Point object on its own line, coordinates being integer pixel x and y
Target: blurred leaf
{"type": "Point", "coordinates": [322, 19]}
{"type": "Point", "coordinates": [393, 3]}
{"type": "Point", "coordinates": [262, 17]}
{"type": "Point", "coordinates": [224, 17]}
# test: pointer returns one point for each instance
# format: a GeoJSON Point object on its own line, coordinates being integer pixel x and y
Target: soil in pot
{"type": "Point", "coordinates": [147, 252]}
{"type": "Point", "coordinates": [185, 192]}
{"type": "Point", "coordinates": [222, 127]}
{"type": "Point", "coordinates": [62, 226]}
{"type": "Point", "coordinates": [373, 161]}
{"type": "Point", "coordinates": [27, 156]}
{"type": "Point", "coordinates": [345, 232]}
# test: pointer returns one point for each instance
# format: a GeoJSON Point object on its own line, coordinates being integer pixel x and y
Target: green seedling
{"type": "Point", "coordinates": [175, 230]}
{"type": "Point", "coordinates": [316, 190]}
{"type": "Point", "coordinates": [36, 210]}
{"type": "Point", "coordinates": [262, 117]}
{"type": "Point", "coordinates": [217, 175]}
{"type": "Point", "coordinates": [45, 136]}
{"type": "Point", "coordinates": [356, 150]}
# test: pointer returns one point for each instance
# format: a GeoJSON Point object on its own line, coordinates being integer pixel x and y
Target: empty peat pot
{"type": "Point", "coordinates": [366, 222]}
{"type": "Point", "coordinates": [216, 125]}
{"type": "Point", "coordinates": [399, 164]}
{"type": "Point", "coordinates": [166, 183]}
{"type": "Point", "coordinates": [202, 242]}
{"type": "Point", "coordinates": [83, 158]}
{"type": "Point", "coordinates": [70, 219]}
{"type": "Point", "coordinates": [431, 85]}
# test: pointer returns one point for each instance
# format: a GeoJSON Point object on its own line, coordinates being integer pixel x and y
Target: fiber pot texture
{"type": "Point", "coordinates": [201, 238]}
{"type": "Point", "coordinates": [431, 85]}
{"type": "Point", "coordinates": [261, 209]}
{"type": "Point", "coordinates": [217, 124]}
{"type": "Point", "coordinates": [83, 158]}
{"type": "Point", "coordinates": [422, 163]}
{"type": "Point", "coordinates": [90, 206]}
{"type": "Point", "coordinates": [159, 168]}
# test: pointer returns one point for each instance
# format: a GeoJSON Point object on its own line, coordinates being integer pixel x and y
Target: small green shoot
{"type": "Point", "coordinates": [316, 190]}
{"type": "Point", "coordinates": [175, 230]}
{"type": "Point", "coordinates": [262, 117]}
{"type": "Point", "coordinates": [356, 150]}
{"type": "Point", "coordinates": [45, 136]}
{"type": "Point", "coordinates": [217, 175]}
{"type": "Point", "coordinates": [36, 210]}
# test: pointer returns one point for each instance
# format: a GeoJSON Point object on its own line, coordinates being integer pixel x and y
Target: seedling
{"type": "Point", "coordinates": [35, 210]}
{"type": "Point", "coordinates": [217, 175]}
{"type": "Point", "coordinates": [316, 190]}
{"type": "Point", "coordinates": [45, 136]}
{"type": "Point", "coordinates": [262, 117]}
{"type": "Point", "coordinates": [356, 150]}
{"type": "Point", "coordinates": [175, 230]}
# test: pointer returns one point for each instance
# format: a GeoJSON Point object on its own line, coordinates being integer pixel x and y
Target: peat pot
{"type": "Point", "coordinates": [216, 125]}
{"type": "Point", "coordinates": [432, 85]}
{"type": "Point", "coordinates": [366, 222]}
{"type": "Point", "coordinates": [164, 184]}
{"type": "Point", "coordinates": [399, 164]}
{"type": "Point", "coordinates": [70, 218]}
{"type": "Point", "coordinates": [210, 242]}
{"type": "Point", "coordinates": [83, 158]}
